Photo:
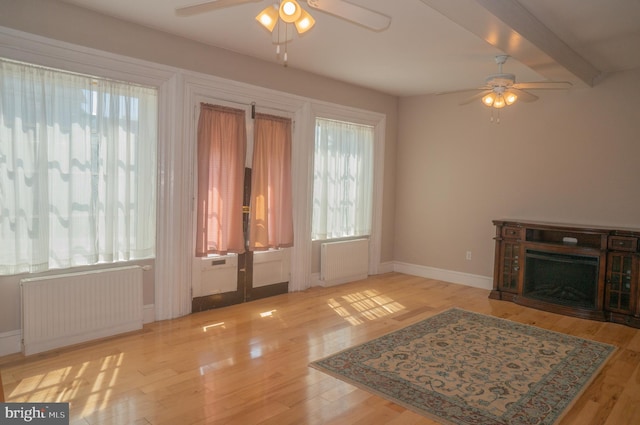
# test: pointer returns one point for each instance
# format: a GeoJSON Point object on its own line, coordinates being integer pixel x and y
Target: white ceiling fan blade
{"type": "Point", "coordinates": [206, 6]}
{"type": "Point", "coordinates": [357, 14]}
{"type": "Point", "coordinates": [523, 95]}
{"type": "Point", "coordinates": [475, 97]}
{"type": "Point", "coordinates": [544, 85]}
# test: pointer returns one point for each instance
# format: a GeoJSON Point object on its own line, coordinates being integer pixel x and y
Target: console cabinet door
{"type": "Point", "coordinates": [509, 267]}
{"type": "Point", "coordinates": [620, 286]}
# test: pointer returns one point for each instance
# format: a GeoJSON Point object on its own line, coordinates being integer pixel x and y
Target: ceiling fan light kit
{"type": "Point", "coordinates": [288, 12]}
{"type": "Point", "coordinates": [499, 98]}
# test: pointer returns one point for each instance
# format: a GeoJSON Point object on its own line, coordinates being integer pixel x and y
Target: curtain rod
{"type": "Point", "coordinates": [253, 106]}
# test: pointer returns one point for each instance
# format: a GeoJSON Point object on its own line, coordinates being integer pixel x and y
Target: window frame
{"type": "Point", "coordinates": [378, 122]}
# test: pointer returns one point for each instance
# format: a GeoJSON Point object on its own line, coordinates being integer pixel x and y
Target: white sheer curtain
{"type": "Point", "coordinates": [343, 179]}
{"type": "Point", "coordinates": [77, 169]}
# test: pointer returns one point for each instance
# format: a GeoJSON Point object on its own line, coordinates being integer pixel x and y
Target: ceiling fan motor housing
{"type": "Point", "coordinates": [501, 80]}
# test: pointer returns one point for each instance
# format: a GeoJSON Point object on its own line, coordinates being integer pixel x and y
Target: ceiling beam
{"type": "Point", "coordinates": [508, 26]}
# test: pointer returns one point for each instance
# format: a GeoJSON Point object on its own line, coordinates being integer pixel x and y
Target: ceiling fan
{"type": "Point", "coordinates": [342, 9]}
{"type": "Point", "coordinates": [501, 89]}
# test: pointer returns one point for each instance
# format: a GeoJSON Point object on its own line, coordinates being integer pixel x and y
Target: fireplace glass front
{"type": "Point", "coordinates": [563, 279]}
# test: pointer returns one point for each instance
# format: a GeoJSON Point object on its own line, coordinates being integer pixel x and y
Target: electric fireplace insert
{"type": "Point", "coordinates": [564, 279]}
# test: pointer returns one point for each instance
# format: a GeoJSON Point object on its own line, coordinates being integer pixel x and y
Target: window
{"type": "Point", "coordinates": [77, 169]}
{"type": "Point", "coordinates": [343, 179]}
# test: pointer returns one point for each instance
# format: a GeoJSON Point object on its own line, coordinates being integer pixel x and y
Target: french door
{"type": "Point", "coordinates": [220, 280]}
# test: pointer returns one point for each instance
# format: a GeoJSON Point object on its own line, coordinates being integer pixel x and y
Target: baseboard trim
{"type": "Point", "coordinates": [386, 267]}
{"type": "Point", "coordinates": [468, 279]}
{"type": "Point", "coordinates": [476, 281]}
{"type": "Point", "coordinates": [346, 279]}
{"type": "Point", "coordinates": [10, 342]}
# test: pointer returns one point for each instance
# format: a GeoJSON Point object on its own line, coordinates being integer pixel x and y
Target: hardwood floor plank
{"type": "Point", "coordinates": [249, 363]}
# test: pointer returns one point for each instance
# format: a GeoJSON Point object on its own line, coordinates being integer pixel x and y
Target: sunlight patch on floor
{"type": "Point", "coordinates": [358, 307]}
{"type": "Point", "coordinates": [103, 383]}
{"type": "Point", "coordinates": [65, 384]}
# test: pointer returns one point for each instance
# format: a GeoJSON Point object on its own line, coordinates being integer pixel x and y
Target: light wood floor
{"type": "Point", "coordinates": [248, 364]}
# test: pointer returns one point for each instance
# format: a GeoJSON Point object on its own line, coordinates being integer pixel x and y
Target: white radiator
{"type": "Point", "coordinates": [344, 261]}
{"type": "Point", "coordinates": [71, 308]}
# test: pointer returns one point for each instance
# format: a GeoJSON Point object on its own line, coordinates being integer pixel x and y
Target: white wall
{"type": "Point", "coordinates": [570, 157]}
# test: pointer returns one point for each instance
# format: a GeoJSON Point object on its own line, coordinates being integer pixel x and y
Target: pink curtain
{"type": "Point", "coordinates": [222, 143]}
{"type": "Point", "coordinates": [271, 216]}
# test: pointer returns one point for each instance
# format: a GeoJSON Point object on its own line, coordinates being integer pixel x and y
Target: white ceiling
{"type": "Point", "coordinates": [431, 45]}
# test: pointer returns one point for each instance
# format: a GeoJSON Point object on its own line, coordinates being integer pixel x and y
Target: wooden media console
{"type": "Point", "coordinates": [583, 271]}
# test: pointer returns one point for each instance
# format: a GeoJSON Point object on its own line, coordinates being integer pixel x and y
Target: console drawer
{"type": "Point", "coordinates": [623, 243]}
{"type": "Point", "coordinates": [512, 232]}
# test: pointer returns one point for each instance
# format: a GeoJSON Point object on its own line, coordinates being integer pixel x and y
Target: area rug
{"type": "Point", "coordinates": [461, 368]}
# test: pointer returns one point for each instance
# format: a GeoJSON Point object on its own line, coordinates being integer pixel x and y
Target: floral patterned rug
{"type": "Point", "coordinates": [460, 367]}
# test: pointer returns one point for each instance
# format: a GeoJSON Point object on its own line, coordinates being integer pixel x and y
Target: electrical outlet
{"type": "Point", "coordinates": [468, 255]}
